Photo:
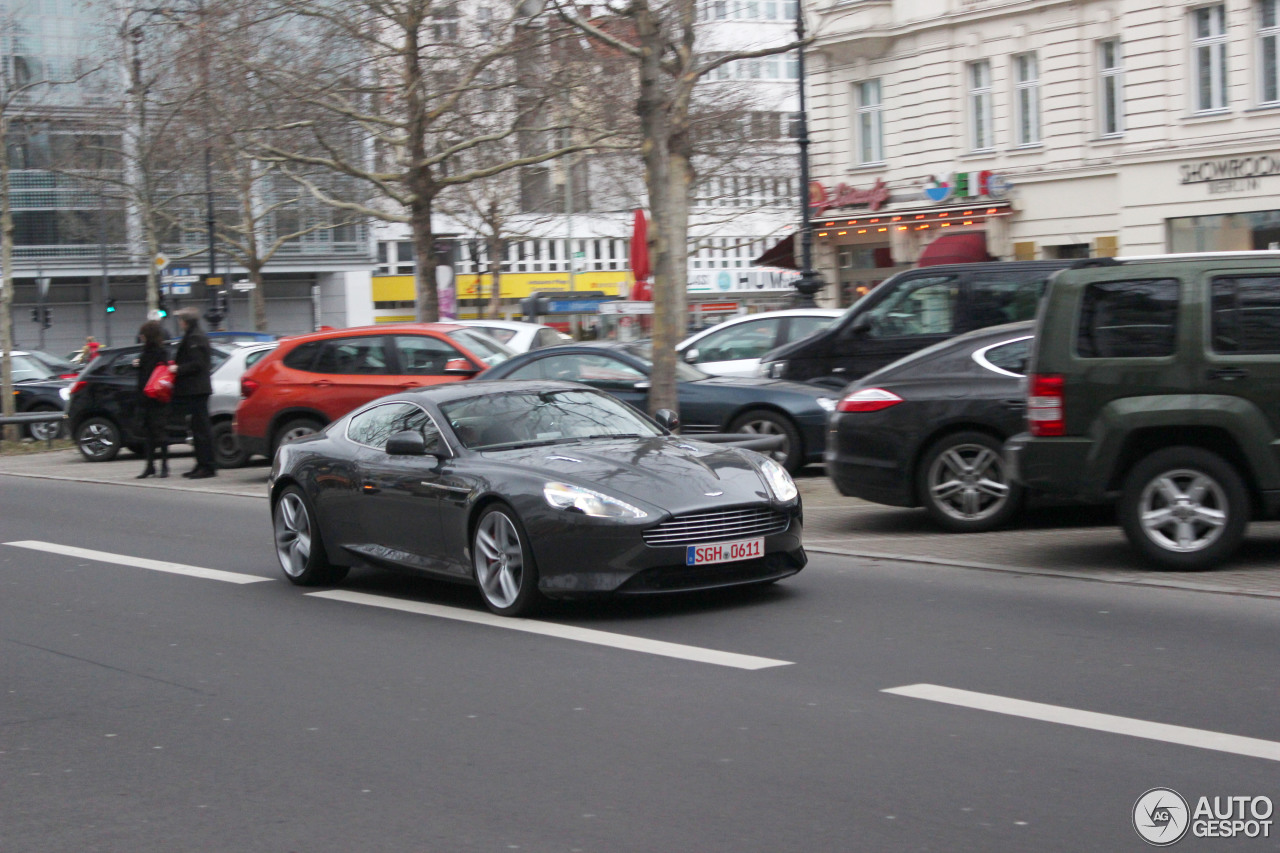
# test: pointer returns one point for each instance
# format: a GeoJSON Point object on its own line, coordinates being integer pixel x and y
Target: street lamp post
{"type": "Point", "coordinates": [810, 281]}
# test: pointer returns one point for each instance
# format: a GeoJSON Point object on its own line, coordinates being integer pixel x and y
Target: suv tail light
{"type": "Point", "coordinates": [78, 385]}
{"type": "Point", "coordinates": [868, 400]}
{"type": "Point", "coordinates": [247, 387]}
{"type": "Point", "coordinates": [1046, 415]}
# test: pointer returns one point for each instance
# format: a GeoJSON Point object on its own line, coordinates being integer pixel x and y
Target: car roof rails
{"type": "Point", "coordinates": [1090, 263]}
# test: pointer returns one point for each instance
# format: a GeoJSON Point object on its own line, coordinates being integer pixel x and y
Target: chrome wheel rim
{"type": "Point", "coordinates": [296, 433]}
{"type": "Point", "coordinates": [44, 432]}
{"type": "Point", "coordinates": [293, 534]}
{"type": "Point", "coordinates": [967, 482]}
{"type": "Point", "coordinates": [499, 560]}
{"type": "Point", "coordinates": [763, 427]}
{"type": "Point", "coordinates": [1183, 510]}
{"type": "Point", "coordinates": [96, 439]}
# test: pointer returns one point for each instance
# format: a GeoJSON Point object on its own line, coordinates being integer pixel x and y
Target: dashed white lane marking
{"type": "Point", "coordinates": [137, 562]}
{"type": "Point", "coordinates": [564, 632]}
{"type": "Point", "coordinates": [1200, 738]}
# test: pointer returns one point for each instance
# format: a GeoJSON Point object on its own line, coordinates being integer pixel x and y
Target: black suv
{"type": "Point", "coordinates": [908, 312]}
{"type": "Point", "coordinates": [103, 413]}
{"type": "Point", "coordinates": [1157, 382]}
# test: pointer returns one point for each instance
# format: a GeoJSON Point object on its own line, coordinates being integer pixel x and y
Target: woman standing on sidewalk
{"type": "Point", "coordinates": [154, 414]}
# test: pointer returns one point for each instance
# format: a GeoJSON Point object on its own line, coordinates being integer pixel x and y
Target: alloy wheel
{"type": "Point", "coordinates": [97, 440]}
{"type": "Point", "coordinates": [763, 427]}
{"type": "Point", "coordinates": [499, 560]}
{"type": "Point", "coordinates": [967, 482]}
{"type": "Point", "coordinates": [293, 534]}
{"type": "Point", "coordinates": [1183, 510]}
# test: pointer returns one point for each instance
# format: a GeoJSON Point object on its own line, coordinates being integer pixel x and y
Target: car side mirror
{"type": "Point", "coordinates": [406, 443]}
{"type": "Point", "coordinates": [460, 367]}
{"type": "Point", "coordinates": [691, 355]}
{"type": "Point", "coordinates": [667, 419]}
{"type": "Point", "coordinates": [861, 325]}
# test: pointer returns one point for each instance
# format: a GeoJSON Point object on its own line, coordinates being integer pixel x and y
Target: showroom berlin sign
{"type": "Point", "coordinates": [1230, 174]}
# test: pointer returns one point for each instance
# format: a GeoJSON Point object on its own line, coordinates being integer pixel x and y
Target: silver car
{"type": "Point", "coordinates": [226, 396]}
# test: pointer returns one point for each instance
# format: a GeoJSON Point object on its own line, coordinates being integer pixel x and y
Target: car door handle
{"type": "Point", "coordinates": [321, 383]}
{"type": "Point", "coordinates": [839, 370]}
{"type": "Point", "coordinates": [1015, 404]}
{"type": "Point", "coordinates": [641, 386]}
{"type": "Point", "coordinates": [1228, 373]}
{"type": "Point", "coordinates": [408, 385]}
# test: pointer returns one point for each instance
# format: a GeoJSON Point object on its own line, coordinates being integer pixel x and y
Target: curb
{"type": "Point", "coordinates": [169, 488]}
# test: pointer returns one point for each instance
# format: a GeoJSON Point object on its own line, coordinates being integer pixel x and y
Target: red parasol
{"type": "Point", "coordinates": [641, 291]}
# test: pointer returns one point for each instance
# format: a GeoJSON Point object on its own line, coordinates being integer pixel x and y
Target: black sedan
{"type": "Point", "coordinates": [38, 389]}
{"type": "Point", "coordinates": [708, 404]}
{"type": "Point", "coordinates": [928, 429]}
{"type": "Point", "coordinates": [530, 490]}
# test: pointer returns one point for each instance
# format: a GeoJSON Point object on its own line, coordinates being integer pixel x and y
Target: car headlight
{"type": "Point", "coordinates": [828, 404]}
{"type": "Point", "coordinates": [65, 393]}
{"type": "Point", "coordinates": [780, 482]}
{"type": "Point", "coordinates": [588, 502]}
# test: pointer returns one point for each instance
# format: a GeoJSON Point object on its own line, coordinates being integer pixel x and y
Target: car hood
{"type": "Point", "coordinates": [668, 472]}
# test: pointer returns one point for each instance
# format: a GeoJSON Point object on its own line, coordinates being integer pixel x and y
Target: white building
{"type": "Point", "coordinates": [1047, 128]}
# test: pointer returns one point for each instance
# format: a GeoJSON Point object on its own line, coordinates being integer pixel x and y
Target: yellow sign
{"type": "Point", "coordinates": [516, 285]}
{"type": "Point", "coordinates": [214, 281]}
{"type": "Point", "coordinates": [160, 261]}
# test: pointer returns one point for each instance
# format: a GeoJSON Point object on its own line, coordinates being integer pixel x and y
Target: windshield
{"type": "Point", "coordinates": [26, 368]}
{"type": "Point", "coordinates": [489, 350]}
{"type": "Point", "coordinates": [524, 419]}
{"type": "Point", "coordinates": [685, 372]}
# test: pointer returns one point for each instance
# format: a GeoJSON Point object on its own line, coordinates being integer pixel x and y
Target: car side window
{"type": "Point", "coordinates": [546, 338]}
{"type": "Point", "coordinates": [352, 356]}
{"type": "Point", "coordinates": [424, 356]}
{"type": "Point", "coordinates": [741, 340]}
{"type": "Point", "coordinates": [996, 299]}
{"type": "Point", "coordinates": [1011, 357]}
{"type": "Point", "coordinates": [1246, 315]}
{"type": "Point", "coordinates": [374, 426]}
{"type": "Point", "coordinates": [124, 365]}
{"type": "Point", "coordinates": [925, 306]}
{"type": "Point", "coordinates": [254, 357]}
{"type": "Point", "coordinates": [1128, 319]}
{"type": "Point", "coordinates": [803, 327]}
{"type": "Point", "coordinates": [303, 356]}
{"type": "Point", "coordinates": [602, 371]}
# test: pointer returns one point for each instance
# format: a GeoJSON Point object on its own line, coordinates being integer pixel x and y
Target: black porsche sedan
{"type": "Point", "coordinates": [530, 490]}
{"type": "Point", "coordinates": [708, 404]}
{"type": "Point", "coordinates": [928, 430]}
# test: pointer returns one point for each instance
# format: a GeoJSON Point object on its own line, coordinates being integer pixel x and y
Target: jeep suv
{"type": "Point", "coordinates": [1156, 383]}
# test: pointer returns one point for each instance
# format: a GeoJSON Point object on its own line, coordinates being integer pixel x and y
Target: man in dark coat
{"type": "Point", "coordinates": [191, 390]}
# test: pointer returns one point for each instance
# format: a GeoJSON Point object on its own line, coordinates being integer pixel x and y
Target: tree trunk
{"type": "Point", "coordinates": [426, 295]}
{"type": "Point", "coordinates": [495, 248]}
{"type": "Point", "coordinates": [6, 281]}
{"type": "Point", "coordinates": [258, 298]}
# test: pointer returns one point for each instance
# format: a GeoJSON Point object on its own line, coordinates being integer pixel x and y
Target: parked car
{"type": "Point", "coordinates": [910, 311]}
{"type": "Point", "coordinates": [708, 404]}
{"type": "Point", "coordinates": [734, 347]}
{"type": "Point", "coordinates": [491, 483]}
{"type": "Point", "coordinates": [241, 338]}
{"type": "Point", "coordinates": [227, 452]}
{"type": "Point", "coordinates": [61, 368]}
{"type": "Point", "coordinates": [518, 336]}
{"type": "Point", "coordinates": [37, 388]}
{"type": "Point", "coordinates": [103, 413]}
{"type": "Point", "coordinates": [310, 380]}
{"type": "Point", "coordinates": [927, 430]}
{"type": "Point", "coordinates": [1156, 383]}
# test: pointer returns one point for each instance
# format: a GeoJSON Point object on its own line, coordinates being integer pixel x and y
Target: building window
{"type": "Point", "coordinates": [1268, 49]}
{"type": "Point", "coordinates": [981, 137]}
{"type": "Point", "coordinates": [1026, 100]}
{"type": "Point", "coordinates": [870, 129]}
{"type": "Point", "coordinates": [1110, 88]}
{"type": "Point", "coordinates": [1209, 58]}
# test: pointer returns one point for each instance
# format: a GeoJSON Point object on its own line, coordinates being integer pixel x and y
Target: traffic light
{"type": "Point", "coordinates": [35, 315]}
{"type": "Point", "coordinates": [47, 320]}
{"type": "Point", "coordinates": [163, 307]}
{"type": "Point", "coordinates": [111, 305]}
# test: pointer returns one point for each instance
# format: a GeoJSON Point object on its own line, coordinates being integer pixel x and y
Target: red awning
{"type": "Point", "coordinates": [782, 255]}
{"type": "Point", "coordinates": [962, 247]}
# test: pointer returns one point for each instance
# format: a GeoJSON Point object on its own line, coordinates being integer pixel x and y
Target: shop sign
{"type": "Point", "coordinates": [1231, 174]}
{"type": "Point", "coordinates": [959, 185]}
{"type": "Point", "coordinates": [846, 196]}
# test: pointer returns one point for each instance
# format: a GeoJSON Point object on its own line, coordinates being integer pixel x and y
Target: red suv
{"type": "Point", "coordinates": [310, 380]}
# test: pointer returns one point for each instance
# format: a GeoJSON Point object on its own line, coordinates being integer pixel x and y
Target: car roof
{"type": "Point", "coordinates": [376, 329]}
{"type": "Point", "coordinates": [514, 325]}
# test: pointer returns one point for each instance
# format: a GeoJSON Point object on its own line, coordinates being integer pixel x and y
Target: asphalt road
{"type": "Point", "coordinates": [147, 710]}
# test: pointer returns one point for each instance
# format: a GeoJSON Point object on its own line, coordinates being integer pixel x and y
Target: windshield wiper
{"type": "Point", "coordinates": [612, 435]}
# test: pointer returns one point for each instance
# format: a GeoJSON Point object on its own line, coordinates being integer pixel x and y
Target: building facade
{"type": "Point", "coordinates": [1025, 129]}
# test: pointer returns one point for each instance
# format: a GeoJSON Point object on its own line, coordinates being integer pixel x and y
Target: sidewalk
{"type": "Point", "coordinates": [1070, 542]}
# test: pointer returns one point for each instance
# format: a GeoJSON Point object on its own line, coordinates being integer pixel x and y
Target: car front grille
{"type": "Point", "coordinates": [698, 527]}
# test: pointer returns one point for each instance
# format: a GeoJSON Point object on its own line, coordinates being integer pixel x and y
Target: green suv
{"type": "Point", "coordinates": [1156, 383]}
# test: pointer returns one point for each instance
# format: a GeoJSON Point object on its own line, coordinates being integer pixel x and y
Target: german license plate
{"type": "Point", "coordinates": [724, 552]}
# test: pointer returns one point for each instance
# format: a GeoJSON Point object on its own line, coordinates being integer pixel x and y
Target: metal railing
{"type": "Point", "coordinates": [35, 418]}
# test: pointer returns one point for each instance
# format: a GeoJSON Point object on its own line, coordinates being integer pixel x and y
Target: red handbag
{"type": "Point", "coordinates": [160, 386]}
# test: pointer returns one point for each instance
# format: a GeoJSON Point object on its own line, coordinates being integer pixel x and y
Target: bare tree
{"type": "Point", "coordinates": [660, 37]}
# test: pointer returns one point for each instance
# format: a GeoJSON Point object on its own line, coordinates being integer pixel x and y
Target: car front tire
{"type": "Point", "coordinates": [1184, 508]}
{"type": "Point", "coordinates": [299, 544]}
{"type": "Point", "coordinates": [98, 439]}
{"type": "Point", "coordinates": [963, 484]}
{"type": "Point", "coordinates": [502, 563]}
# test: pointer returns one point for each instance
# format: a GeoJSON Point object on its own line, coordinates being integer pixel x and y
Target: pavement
{"type": "Point", "coordinates": [1055, 541]}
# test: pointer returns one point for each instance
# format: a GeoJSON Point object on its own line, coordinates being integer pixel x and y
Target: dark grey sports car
{"type": "Point", "coordinates": [530, 489]}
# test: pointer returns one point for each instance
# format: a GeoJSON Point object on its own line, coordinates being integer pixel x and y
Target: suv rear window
{"type": "Point", "coordinates": [1246, 314]}
{"type": "Point", "coordinates": [1128, 319]}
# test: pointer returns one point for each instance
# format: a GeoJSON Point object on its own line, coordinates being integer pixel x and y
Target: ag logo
{"type": "Point", "coordinates": [1161, 816]}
